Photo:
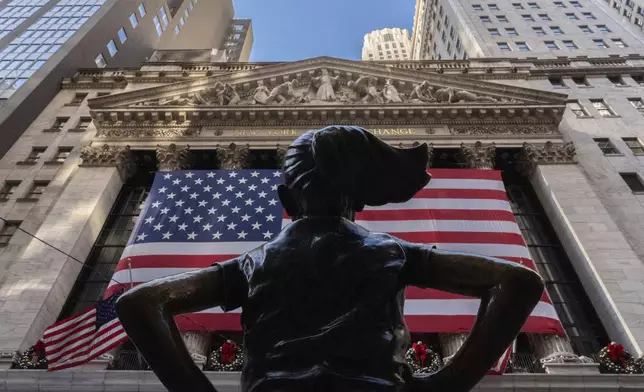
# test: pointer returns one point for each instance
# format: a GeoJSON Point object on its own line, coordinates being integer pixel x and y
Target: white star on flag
{"type": "Point", "coordinates": [158, 227]}
{"type": "Point", "coordinates": [254, 174]}
{"type": "Point", "coordinates": [167, 176]}
{"type": "Point", "coordinates": [231, 226]}
{"type": "Point", "coordinates": [211, 175]}
{"type": "Point", "coordinates": [188, 210]}
{"type": "Point", "coordinates": [192, 236]}
{"type": "Point", "coordinates": [173, 218]}
{"type": "Point", "coordinates": [183, 227]}
{"type": "Point", "coordinates": [167, 235]}
{"type": "Point", "coordinates": [179, 203]}
{"type": "Point", "coordinates": [189, 175]}
{"type": "Point", "coordinates": [141, 237]}
{"type": "Point", "coordinates": [242, 234]}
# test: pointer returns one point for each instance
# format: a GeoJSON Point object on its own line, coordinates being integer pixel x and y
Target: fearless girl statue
{"type": "Point", "coordinates": [322, 303]}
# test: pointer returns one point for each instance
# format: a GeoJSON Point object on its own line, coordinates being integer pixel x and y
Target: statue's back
{"type": "Point", "coordinates": [324, 307]}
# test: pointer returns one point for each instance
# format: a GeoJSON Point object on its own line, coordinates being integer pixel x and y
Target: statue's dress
{"type": "Point", "coordinates": [323, 309]}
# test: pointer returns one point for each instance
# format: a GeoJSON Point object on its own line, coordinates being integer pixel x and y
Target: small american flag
{"type": "Point", "coordinates": [195, 218]}
{"type": "Point", "coordinates": [83, 337]}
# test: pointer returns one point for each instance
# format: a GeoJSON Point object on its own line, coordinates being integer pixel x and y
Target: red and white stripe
{"type": "Point", "coordinates": [460, 209]}
{"type": "Point", "coordinates": [76, 340]}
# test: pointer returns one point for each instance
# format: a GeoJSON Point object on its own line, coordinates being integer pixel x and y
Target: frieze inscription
{"type": "Point", "coordinates": [297, 132]}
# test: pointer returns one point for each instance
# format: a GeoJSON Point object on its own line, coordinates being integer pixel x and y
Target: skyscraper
{"type": "Point", "coordinates": [513, 28]}
{"type": "Point", "coordinates": [386, 44]}
{"type": "Point", "coordinates": [42, 41]}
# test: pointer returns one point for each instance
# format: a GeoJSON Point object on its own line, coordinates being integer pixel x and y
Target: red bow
{"type": "Point", "coordinates": [228, 352]}
{"type": "Point", "coordinates": [616, 352]}
{"type": "Point", "coordinates": [420, 352]}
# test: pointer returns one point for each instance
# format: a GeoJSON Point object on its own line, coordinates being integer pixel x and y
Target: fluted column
{"type": "Point", "coordinates": [233, 157]}
{"type": "Point", "coordinates": [281, 154]}
{"type": "Point", "coordinates": [551, 349]}
{"type": "Point", "coordinates": [173, 158]}
{"type": "Point", "coordinates": [474, 156]}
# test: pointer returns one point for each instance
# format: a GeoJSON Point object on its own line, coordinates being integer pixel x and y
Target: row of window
{"type": "Point", "coordinates": [582, 81]}
{"type": "Point", "coordinates": [15, 13]}
{"type": "Point", "coordinates": [602, 108]}
{"type": "Point", "coordinates": [530, 18]}
{"type": "Point", "coordinates": [569, 44]}
{"type": "Point", "coordinates": [608, 148]}
{"type": "Point", "coordinates": [184, 17]}
{"type": "Point", "coordinates": [519, 6]}
{"type": "Point", "coordinates": [36, 154]}
{"type": "Point", "coordinates": [540, 31]}
{"type": "Point", "coordinates": [112, 47]}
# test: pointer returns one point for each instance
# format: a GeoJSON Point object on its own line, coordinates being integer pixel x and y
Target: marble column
{"type": "Point", "coordinates": [552, 350]}
{"type": "Point", "coordinates": [281, 154]}
{"type": "Point", "coordinates": [173, 158]}
{"type": "Point", "coordinates": [474, 156]}
{"type": "Point", "coordinates": [233, 157]}
{"type": "Point", "coordinates": [38, 283]}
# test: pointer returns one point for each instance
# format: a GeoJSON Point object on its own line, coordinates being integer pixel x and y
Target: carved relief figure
{"type": "Point", "coordinates": [219, 94]}
{"type": "Point", "coordinates": [422, 93]}
{"type": "Point", "coordinates": [325, 85]}
{"type": "Point", "coordinates": [391, 93]}
{"type": "Point", "coordinates": [261, 94]}
{"type": "Point", "coordinates": [448, 94]}
{"type": "Point", "coordinates": [365, 90]}
{"type": "Point", "coordinates": [284, 93]}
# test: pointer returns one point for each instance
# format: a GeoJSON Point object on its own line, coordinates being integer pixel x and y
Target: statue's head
{"type": "Point", "coordinates": [338, 170]}
{"type": "Point", "coordinates": [325, 71]}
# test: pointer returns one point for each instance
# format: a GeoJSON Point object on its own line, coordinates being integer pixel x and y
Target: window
{"type": "Point", "coordinates": [639, 79]}
{"type": "Point", "coordinates": [527, 18]}
{"type": "Point", "coordinates": [8, 230]}
{"type": "Point", "coordinates": [577, 109]}
{"type": "Point", "coordinates": [522, 46]}
{"type": "Point", "coordinates": [122, 35]}
{"type": "Point", "coordinates": [133, 20]}
{"type": "Point", "coordinates": [62, 154]}
{"type": "Point", "coordinates": [59, 123]}
{"type": "Point", "coordinates": [102, 94]}
{"type": "Point", "coordinates": [37, 189]}
{"type": "Point", "coordinates": [632, 142]}
{"type": "Point", "coordinates": [534, 6]}
{"type": "Point", "coordinates": [157, 25]}
{"type": "Point", "coordinates": [571, 45]}
{"type": "Point", "coordinates": [616, 80]}
{"type": "Point", "coordinates": [606, 146]}
{"type": "Point", "coordinates": [8, 189]}
{"type": "Point", "coordinates": [539, 31]}
{"type": "Point", "coordinates": [556, 30]}
{"type": "Point", "coordinates": [572, 16]}
{"type": "Point", "coordinates": [600, 43]}
{"type": "Point", "coordinates": [551, 45]}
{"type": "Point", "coordinates": [580, 81]}
{"type": "Point", "coordinates": [111, 48]}
{"type": "Point", "coordinates": [100, 61]}
{"type": "Point", "coordinates": [35, 154]}
{"type": "Point", "coordinates": [603, 29]}
{"type": "Point", "coordinates": [492, 7]}
{"type": "Point", "coordinates": [585, 29]}
{"type": "Point", "coordinates": [633, 181]}
{"type": "Point", "coordinates": [477, 7]}
{"type": "Point", "coordinates": [557, 82]}
{"type": "Point", "coordinates": [511, 32]}
{"type": "Point", "coordinates": [589, 15]}
{"type": "Point", "coordinates": [164, 17]}
{"type": "Point", "coordinates": [501, 18]}
{"type": "Point", "coordinates": [494, 32]}
{"type": "Point", "coordinates": [517, 6]}
{"type": "Point", "coordinates": [602, 108]}
{"type": "Point", "coordinates": [504, 46]}
{"type": "Point", "coordinates": [142, 10]}
{"type": "Point", "coordinates": [78, 99]}
{"type": "Point", "coordinates": [484, 19]}
{"type": "Point", "coordinates": [544, 17]}
{"type": "Point", "coordinates": [619, 43]}
{"type": "Point", "coordinates": [576, 4]}
{"type": "Point", "coordinates": [559, 4]}
{"type": "Point", "coordinates": [176, 30]}
{"type": "Point", "coordinates": [388, 37]}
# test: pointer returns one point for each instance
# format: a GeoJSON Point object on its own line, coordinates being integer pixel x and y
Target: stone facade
{"type": "Point", "coordinates": [473, 109]}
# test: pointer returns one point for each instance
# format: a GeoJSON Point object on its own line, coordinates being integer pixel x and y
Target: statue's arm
{"type": "Point", "coordinates": [147, 313]}
{"type": "Point", "coordinates": [508, 292]}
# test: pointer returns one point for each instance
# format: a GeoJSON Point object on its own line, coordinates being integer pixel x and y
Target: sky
{"type": "Point", "coordinates": [288, 30]}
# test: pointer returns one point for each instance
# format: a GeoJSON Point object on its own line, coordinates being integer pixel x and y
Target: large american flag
{"type": "Point", "coordinates": [81, 338]}
{"type": "Point", "coordinates": [195, 218]}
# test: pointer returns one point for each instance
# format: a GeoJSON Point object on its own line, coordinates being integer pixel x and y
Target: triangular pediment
{"type": "Point", "coordinates": [326, 81]}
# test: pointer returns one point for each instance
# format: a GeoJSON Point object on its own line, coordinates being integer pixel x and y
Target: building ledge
{"type": "Point", "coordinates": [102, 380]}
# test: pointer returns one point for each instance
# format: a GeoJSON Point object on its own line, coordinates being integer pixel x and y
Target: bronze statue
{"type": "Point", "coordinates": [323, 302]}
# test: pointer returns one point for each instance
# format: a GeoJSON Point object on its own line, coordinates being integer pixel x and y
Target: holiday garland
{"type": "Point", "coordinates": [227, 358]}
{"type": "Point", "coordinates": [615, 359]}
{"type": "Point", "coordinates": [31, 358]}
{"type": "Point", "coordinates": [422, 359]}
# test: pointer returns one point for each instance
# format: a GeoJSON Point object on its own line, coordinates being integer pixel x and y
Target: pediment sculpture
{"type": "Point", "coordinates": [323, 88]}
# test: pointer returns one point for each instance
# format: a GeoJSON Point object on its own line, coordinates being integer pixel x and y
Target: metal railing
{"type": "Point", "coordinates": [524, 363]}
{"type": "Point", "coordinates": [128, 360]}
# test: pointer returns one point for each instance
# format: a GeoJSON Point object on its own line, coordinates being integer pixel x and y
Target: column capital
{"type": "Point", "coordinates": [281, 155]}
{"type": "Point", "coordinates": [105, 156]}
{"type": "Point", "coordinates": [173, 158]}
{"type": "Point", "coordinates": [233, 157]}
{"type": "Point", "coordinates": [549, 153]}
{"type": "Point", "coordinates": [479, 155]}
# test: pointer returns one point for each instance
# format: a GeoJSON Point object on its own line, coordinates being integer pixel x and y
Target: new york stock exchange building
{"type": "Point", "coordinates": [569, 159]}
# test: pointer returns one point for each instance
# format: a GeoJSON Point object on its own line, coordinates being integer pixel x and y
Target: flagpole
{"type": "Point", "coordinates": [129, 266]}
